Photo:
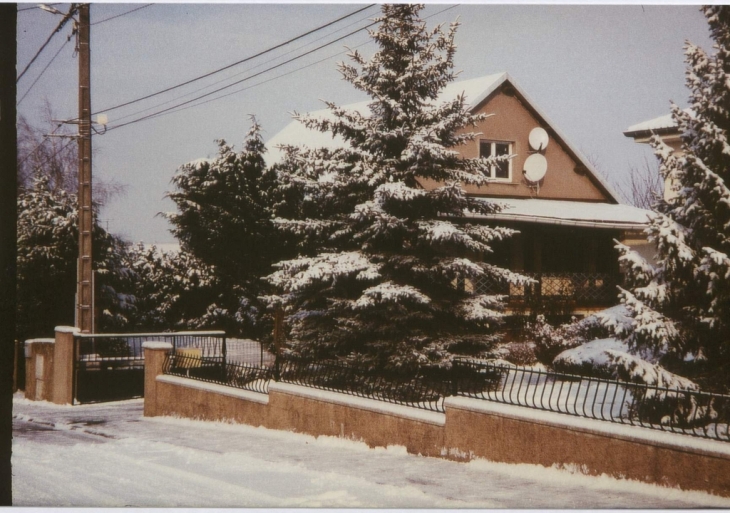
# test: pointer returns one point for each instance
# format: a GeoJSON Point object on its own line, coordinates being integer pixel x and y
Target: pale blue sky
{"type": "Point", "coordinates": [593, 70]}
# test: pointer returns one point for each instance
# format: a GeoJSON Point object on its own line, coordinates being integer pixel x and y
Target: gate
{"type": "Point", "coordinates": [110, 367]}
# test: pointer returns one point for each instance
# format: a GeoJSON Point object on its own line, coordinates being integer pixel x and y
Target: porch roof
{"type": "Point", "coordinates": [569, 213]}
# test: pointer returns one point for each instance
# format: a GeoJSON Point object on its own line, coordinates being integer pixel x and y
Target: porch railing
{"type": "Point", "coordinates": [584, 288]}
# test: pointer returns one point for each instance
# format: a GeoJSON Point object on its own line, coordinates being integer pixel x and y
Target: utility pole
{"type": "Point", "coordinates": [85, 284]}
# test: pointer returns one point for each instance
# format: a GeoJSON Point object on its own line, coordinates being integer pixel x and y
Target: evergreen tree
{"type": "Point", "coordinates": [224, 219]}
{"type": "Point", "coordinates": [46, 262]}
{"type": "Point", "coordinates": [681, 305]}
{"type": "Point", "coordinates": [382, 286]}
{"type": "Point", "coordinates": [175, 291]}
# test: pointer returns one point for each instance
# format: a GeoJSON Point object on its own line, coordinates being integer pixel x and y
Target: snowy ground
{"type": "Point", "coordinates": [110, 455]}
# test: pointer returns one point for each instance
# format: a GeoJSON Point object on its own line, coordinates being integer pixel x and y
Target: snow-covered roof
{"type": "Point", "coordinates": [661, 124]}
{"type": "Point", "coordinates": [570, 213]}
{"type": "Point", "coordinates": [476, 90]}
{"type": "Point", "coordinates": [295, 133]}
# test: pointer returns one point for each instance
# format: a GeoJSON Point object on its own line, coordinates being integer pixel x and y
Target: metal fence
{"type": "Point", "coordinates": [687, 412]}
{"type": "Point", "coordinates": [110, 367]}
{"type": "Point", "coordinates": [215, 370]}
{"type": "Point", "coordinates": [241, 350]}
{"type": "Point", "coordinates": [417, 390]}
{"type": "Point", "coordinates": [110, 347]}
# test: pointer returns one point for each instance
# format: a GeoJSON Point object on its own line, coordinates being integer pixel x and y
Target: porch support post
{"type": "Point", "coordinates": [63, 365]}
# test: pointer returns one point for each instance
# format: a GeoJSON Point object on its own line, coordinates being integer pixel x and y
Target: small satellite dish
{"type": "Point", "coordinates": [538, 139]}
{"type": "Point", "coordinates": [535, 168]}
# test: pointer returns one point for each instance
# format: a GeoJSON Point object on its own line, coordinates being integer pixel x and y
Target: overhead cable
{"type": "Point", "coordinates": [63, 21]}
{"type": "Point", "coordinates": [247, 70]}
{"type": "Point", "coordinates": [200, 77]}
{"type": "Point", "coordinates": [243, 79]}
{"type": "Point", "coordinates": [43, 71]}
{"type": "Point", "coordinates": [170, 110]}
{"type": "Point", "coordinates": [120, 15]}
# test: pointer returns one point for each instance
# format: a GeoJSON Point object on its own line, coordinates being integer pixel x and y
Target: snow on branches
{"type": "Point", "coordinates": [384, 260]}
{"type": "Point", "coordinates": [681, 306]}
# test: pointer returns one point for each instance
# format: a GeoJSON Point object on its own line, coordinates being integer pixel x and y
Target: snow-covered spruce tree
{"type": "Point", "coordinates": [383, 287]}
{"type": "Point", "coordinates": [224, 219]}
{"type": "Point", "coordinates": [681, 306]}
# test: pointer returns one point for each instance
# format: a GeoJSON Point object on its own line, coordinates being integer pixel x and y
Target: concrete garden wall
{"type": "Point", "coordinates": [470, 428]}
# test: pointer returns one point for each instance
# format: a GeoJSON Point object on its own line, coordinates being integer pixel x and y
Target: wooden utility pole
{"type": "Point", "coordinates": [84, 289]}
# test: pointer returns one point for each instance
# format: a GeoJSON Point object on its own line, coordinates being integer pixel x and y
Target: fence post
{"type": "Point", "coordinates": [63, 365]}
{"type": "Point", "coordinates": [278, 338]}
{"type": "Point", "coordinates": [155, 353]}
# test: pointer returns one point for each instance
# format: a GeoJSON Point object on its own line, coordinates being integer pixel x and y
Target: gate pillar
{"type": "Point", "coordinates": [154, 360]}
{"type": "Point", "coordinates": [63, 365]}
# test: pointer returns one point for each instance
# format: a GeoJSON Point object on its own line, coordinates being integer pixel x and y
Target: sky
{"type": "Point", "coordinates": [593, 70]}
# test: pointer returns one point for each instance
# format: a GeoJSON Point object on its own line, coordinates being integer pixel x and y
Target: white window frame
{"type": "Point", "coordinates": [493, 152]}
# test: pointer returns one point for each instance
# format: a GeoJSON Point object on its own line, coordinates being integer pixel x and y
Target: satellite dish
{"type": "Point", "coordinates": [535, 167]}
{"type": "Point", "coordinates": [538, 139]}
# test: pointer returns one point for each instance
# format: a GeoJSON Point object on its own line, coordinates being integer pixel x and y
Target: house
{"type": "Point", "coordinates": [667, 130]}
{"type": "Point", "coordinates": [568, 216]}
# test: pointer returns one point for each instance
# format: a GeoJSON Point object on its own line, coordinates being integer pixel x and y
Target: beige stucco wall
{"type": "Point", "coordinates": [514, 434]}
{"type": "Point", "coordinates": [352, 418]}
{"type": "Point", "coordinates": [468, 430]}
{"type": "Point", "coordinates": [63, 364]}
{"type": "Point", "coordinates": [39, 380]}
{"type": "Point", "coordinates": [509, 120]}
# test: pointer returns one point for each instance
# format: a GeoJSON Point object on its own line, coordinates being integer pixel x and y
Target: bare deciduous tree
{"type": "Point", "coordinates": [643, 186]}
{"type": "Point", "coordinates": [42, 153]}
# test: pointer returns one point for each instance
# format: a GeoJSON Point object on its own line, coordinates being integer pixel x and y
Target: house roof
{"type": "Point", "coordinates": [476, 90]}
{"type": "Point", "coordinates": [569, 213]}
{"type": "Point", "coordinates": [662, 125]}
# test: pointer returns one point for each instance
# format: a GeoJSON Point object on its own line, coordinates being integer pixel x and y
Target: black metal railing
{"type": "Point", "coordinates": [215, 370]}
{"type": "Point", "coordinates": [417, 390]}
{"type": "Point", "coordinates": [128, 346]}
{"type": "Point", "coordinates": [687, 412]}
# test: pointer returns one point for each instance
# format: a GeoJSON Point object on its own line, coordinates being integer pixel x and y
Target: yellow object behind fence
{"type": "Point", "coordinates": [190, 357]}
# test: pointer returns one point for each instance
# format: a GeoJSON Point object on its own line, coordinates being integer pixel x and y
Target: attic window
{"type": "Point", "coordinates": [501, 170]}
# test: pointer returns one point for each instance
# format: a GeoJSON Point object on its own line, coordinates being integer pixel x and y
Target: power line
{"type": "Point", "coordinates": [66, 17]}
{"type": "Point", "coordinates": [170, 109]}
{"type": "Point", "coordinates": [243, 79]}
{"type": "Point", "coordinates": [43, 71]}
{"type": "Point", "coordinates": [235, 63]}
{"type": "Point", "coordinates": [194, 91]}
{"type": "Point", "coordinates": [122, 14]}
{"type": "Point", "coordinates": [272, 78]}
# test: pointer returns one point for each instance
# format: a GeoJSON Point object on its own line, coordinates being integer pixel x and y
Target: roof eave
{"type": "Point", "coordinates": [580, 223]}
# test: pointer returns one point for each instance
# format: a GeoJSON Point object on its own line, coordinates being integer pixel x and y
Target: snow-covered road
{"type": "Point", "coordinates": [110, 455]}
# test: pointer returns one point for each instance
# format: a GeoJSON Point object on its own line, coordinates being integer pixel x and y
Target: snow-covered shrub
{"type": "Point", "coordinates": [551, 341]}
{"type": "Point", "coordinates": [519, 353]}
{"type": "Point", "coordinates": [610, 359]}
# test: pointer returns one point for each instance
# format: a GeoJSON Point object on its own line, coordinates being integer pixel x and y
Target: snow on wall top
{"type": "Point", "coordinates": [574, 213]}
{"type": "Point", "coordinates": [475, 90]}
